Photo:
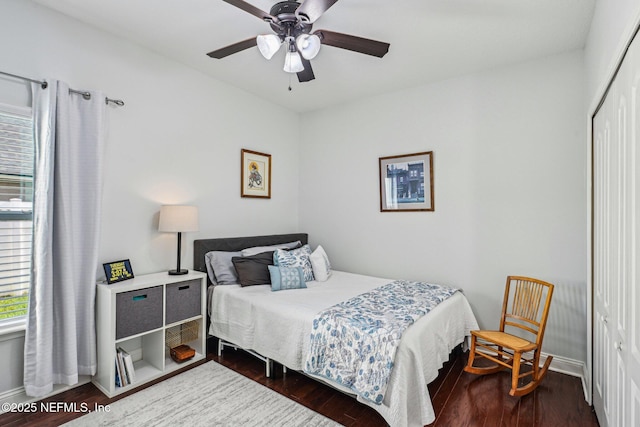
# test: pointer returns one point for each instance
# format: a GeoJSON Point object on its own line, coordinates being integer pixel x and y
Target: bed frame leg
{"type": "Point", "coordinates": [268, 362]}
{"type": "Point", "coordinates": [268, 367]}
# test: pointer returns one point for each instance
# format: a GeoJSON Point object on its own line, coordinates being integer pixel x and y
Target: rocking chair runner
{"type": "Point", "coordinates": [520, 310]}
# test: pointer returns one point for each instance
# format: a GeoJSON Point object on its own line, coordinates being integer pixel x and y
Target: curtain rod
{"type": "Point", "coordinates": [44, 85]}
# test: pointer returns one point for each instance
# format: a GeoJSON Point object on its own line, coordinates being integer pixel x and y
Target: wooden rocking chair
{"type": "Point", "coordinates": [521, 311]}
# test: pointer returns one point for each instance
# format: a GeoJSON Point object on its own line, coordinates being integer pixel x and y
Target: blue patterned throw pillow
{"type": "Point", "coordinates": [283, 278]}
{"type": "Point", "coordinates": [295, 258]}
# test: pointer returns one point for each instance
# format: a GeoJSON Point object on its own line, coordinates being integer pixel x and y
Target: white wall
{"type": "Point", "coordinates": [177, 140]}
{"type": "Point", "coordinates": [510, 192]}
{"type": "Point", "coordinates": [613, 24]}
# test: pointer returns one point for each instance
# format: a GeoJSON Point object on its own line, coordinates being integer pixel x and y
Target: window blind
{"type": "Point", "coordinates": [16, 203]}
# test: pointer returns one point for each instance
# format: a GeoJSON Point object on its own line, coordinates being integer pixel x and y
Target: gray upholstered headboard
{"type": "Point", "coordinates": [202, 246]}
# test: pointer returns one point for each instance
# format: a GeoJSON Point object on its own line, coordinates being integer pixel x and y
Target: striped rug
{"type": "Point", "coordinates": [208, 395]}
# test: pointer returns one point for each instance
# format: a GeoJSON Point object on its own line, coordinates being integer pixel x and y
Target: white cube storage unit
{"type": "Point", "coordinates": [135, 315]}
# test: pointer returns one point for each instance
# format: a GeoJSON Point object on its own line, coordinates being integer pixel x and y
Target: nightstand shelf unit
{"type": "Point", "coordinates": [134, 315]}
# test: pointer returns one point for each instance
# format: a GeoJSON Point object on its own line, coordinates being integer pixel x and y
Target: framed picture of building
{"type": "Point", "coordinates": [255, 176]}
{"type": "Point", "coordinates": [406, 182]}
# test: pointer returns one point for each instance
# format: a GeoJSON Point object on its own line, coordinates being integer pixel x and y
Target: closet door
{"type": "Point", "coordinates": [616, 226]}
{"type": "Point", "coordinates": [602, 394]}
{"type": "Point", "coordinates": [631, 348]}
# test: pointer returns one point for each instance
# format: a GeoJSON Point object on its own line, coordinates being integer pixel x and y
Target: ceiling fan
{"type": "Point", "coordinates": [292, 22]}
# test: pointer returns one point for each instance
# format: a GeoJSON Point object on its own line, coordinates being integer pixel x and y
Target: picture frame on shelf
{"type": "Point", "coordinates": [406, 182]}
{"type": "Point", "coordinates": [117, 271]}
{"type": "Point", "coordinates": [255, 174]}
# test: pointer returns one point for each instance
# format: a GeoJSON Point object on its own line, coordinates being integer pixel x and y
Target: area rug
{"type": "Point", "coordinates": [208, 395]}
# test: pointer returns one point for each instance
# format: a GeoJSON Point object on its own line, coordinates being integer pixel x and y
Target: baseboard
{"type": "Point", "coordinates": [18, 395]}
{"type": "Point", "coordinates": [565, 365]}
{"type": "Point", "coordinates": [586, 385]}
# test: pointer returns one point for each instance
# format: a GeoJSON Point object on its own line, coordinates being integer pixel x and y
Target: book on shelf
{"type": "Point", "coordinates": [121, 370]}
{"type": "Point", "coordinates": [118, 375]}
{"type": "Point", "coordinates": [128, 365]}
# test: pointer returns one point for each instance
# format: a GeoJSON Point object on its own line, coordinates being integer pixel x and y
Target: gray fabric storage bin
{"type": "Point", "coordinates": [183, 300]}
{"type": "Point", "coordinates": [138, 311]}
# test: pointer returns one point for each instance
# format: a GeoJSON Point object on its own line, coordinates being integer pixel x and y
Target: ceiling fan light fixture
{"type": "Point", "coordinates": [268, 45]}
{"type": "Point", "coordinates": [291, 22]}
{"type": "Point", "coordinates": [308, 45]}
{"type": "Point", "coordinates": [293, 62]}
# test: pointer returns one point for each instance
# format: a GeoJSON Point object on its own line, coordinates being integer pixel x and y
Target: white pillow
{"type": "Point", "coordinates": [320, 264]}
{"type": "Point", "coordinates": [260, 249]}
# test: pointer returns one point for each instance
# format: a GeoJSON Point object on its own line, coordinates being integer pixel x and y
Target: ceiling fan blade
{"type": "Point", "coordinates": [306, 75]}
{"type": "Point", "coordinates": [354, 43]}
{"type": "Point", "coordinates": [310, 10]}
{"type": "Point", "coordinates": [234, 48]}
{"type": "Point", "coordinates": [252, 10]}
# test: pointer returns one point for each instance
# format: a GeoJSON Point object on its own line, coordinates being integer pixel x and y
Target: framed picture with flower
{"type": "Point", "coordinates": [255, 175]}
{"type": "Point", "coordinates": [406, 182]}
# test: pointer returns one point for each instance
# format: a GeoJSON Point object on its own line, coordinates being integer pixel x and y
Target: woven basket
{"type": "Point", "coordinates": [182, 334]}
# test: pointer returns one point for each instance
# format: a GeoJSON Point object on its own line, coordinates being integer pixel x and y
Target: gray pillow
{"type": "Point", "coordinates": [220, 267]}
{"type": "Point", "coordinates": [254, 270]}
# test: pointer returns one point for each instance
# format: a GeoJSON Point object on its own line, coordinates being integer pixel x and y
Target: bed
{"type": "Point", "coordinates": [278, 325]}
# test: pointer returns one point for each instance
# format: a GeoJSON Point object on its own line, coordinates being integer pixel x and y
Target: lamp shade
{"type": "Point", "coordinates": [293, 63]}
{"type": "Point", "coordinates": [308, 45]}
{"type": "Point", "coordinates": [268, 45]}
{"type": "Point", "coordinates": [178, 218]}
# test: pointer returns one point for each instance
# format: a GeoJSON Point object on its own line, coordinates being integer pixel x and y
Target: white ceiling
{"type": "Point", "coordinates": [430, 40]}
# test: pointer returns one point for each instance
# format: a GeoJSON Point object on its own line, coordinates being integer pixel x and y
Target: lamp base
{"type": "Point", "coordinates": [177, 272]}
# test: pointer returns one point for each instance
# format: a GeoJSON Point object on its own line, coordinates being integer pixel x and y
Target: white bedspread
{"type": "Point", "coordinates": [278, 324]}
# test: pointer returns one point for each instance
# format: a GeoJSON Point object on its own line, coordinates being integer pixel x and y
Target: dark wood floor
{"type": "Point", "coordinates": [459, 398]}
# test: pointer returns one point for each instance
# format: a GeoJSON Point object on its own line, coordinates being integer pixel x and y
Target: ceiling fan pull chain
{"type": "Point", "coordinates": [289, 82]}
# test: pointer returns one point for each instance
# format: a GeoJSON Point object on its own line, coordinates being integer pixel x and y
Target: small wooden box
{"type": "Point", "coordinates": [182, 353]}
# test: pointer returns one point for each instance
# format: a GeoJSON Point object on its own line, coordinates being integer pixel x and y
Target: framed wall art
{"type": "Point", "coordinates": [255, 179]}
{"type": "Point", "coordinates": [406, 182]}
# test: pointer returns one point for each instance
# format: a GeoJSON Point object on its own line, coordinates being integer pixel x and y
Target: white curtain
{"type": "Point", "coordinates": [69, 134]}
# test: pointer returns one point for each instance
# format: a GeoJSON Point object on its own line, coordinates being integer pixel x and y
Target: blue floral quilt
{"type": "Point", "coordinates": [354, 342]}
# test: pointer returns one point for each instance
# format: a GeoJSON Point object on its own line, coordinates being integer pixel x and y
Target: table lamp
{"type": "Point", "coordinates": [178, 219]}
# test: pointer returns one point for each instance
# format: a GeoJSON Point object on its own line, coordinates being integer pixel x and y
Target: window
{"type": "Point", "coordinates": [16, 210]}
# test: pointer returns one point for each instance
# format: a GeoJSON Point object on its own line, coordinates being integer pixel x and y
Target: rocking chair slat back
{"type": "Point", "coordinates": [526, 310]}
